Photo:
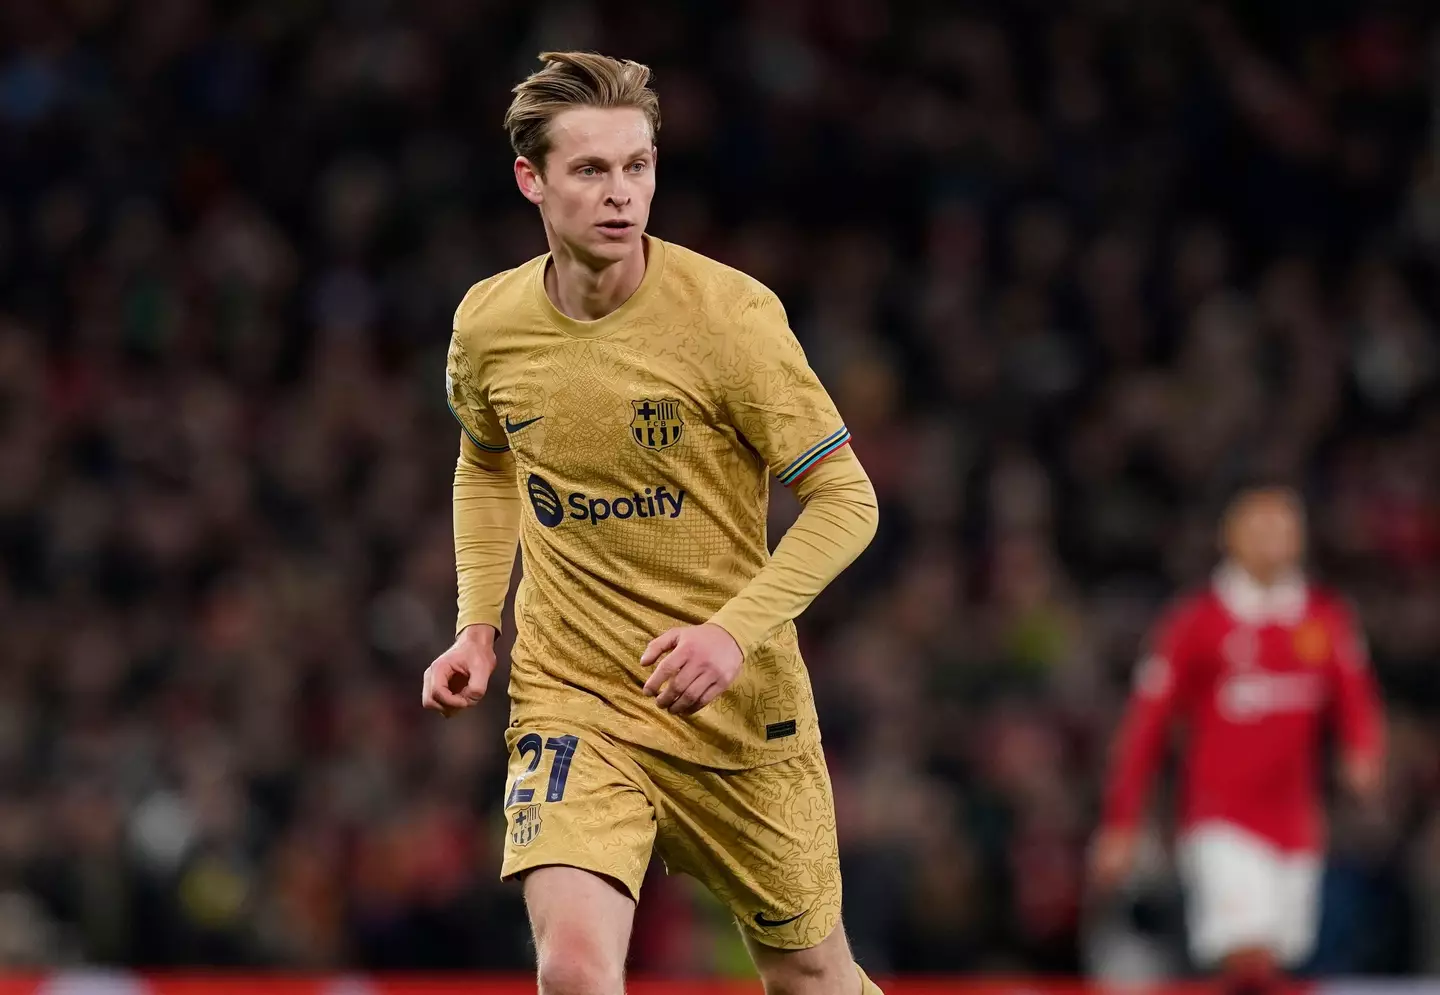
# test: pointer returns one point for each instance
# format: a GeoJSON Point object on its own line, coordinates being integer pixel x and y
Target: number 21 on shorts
{"type": "Point", "coordinates": [533, 746]}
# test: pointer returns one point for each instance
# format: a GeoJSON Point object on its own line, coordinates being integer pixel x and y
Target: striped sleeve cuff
{"type": "Point", "coordinates": [466, 429]}
{"type": "Point", "coordinates": [813, 455]}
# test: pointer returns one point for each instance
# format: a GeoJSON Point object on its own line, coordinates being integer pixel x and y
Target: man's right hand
{"type": "Point", "coordinates": [1111, 857]}
{"type": "Point", "coordinates": [458, 677]}
{"type": "Point", "coordinates": [1363, 775]}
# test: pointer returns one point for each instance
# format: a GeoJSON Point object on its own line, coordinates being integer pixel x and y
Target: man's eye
{"type": "Point", "coordinates": [588, 171]}
{"type": "Point", "coordinates": [637, 167]}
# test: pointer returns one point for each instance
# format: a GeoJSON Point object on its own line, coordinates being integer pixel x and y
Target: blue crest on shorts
{"type": "Point", "coordinates": [525, 825]}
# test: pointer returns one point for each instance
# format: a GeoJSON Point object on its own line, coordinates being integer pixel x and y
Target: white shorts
{"type": "Point", "coordinates": [1244, 893]}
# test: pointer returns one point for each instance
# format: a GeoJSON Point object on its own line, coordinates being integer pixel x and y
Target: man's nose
{"type": "Point", "coordinates": [619, 193]}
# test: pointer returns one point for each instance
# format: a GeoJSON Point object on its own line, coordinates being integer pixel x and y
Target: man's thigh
{"type": "Point", "coordinates": [762, 840]}
{"type": "Point", "coordinates": [573, 798]}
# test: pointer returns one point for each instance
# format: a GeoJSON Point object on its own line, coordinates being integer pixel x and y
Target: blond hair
{"type": "Point", "coordinates": [574, 79]}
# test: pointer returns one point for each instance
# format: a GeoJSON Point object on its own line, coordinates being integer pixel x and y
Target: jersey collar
{"type": "Point", "coordinates": [1250, 601]}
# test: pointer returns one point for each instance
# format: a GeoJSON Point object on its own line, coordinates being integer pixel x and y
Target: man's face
{"type": "Point", "coordinates": [598, 180]}
{"type": "Point", "coordinates": [1266, 533]}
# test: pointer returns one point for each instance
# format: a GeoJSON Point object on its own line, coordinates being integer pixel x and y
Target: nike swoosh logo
{"type": "Point", "coordinates": [511, 427]}
{"type": "Point", "coordinates": [761, 921]}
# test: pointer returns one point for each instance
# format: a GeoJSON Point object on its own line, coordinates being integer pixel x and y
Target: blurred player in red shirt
{"type": "Point", "coordinates": [1254, 666]}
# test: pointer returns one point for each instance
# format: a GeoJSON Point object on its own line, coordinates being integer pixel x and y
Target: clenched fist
{"type": "Point", "coordinates": [700, 661]}
{"type": "Point", "coordinates": [458, 677]}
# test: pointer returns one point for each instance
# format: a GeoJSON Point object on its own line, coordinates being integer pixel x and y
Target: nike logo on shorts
{"type": "Point", "coordinates": [764, 923]}
{"type": "Point", "coordinates": [511, 427]}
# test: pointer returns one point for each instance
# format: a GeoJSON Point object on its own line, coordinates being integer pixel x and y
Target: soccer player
{"type": "Point", "coordinates": [624, 401]}
{"type": "Point", "coordinates": [1254, 667]}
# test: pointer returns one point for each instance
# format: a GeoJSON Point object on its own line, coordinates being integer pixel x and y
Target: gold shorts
{"type": "Point", "coordinates": [762, 840]}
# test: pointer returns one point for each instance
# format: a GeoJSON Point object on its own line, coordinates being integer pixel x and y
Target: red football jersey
{"type": "Point", "coordinates": [1254, 674]}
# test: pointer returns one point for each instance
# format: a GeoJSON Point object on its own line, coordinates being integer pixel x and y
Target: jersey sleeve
{"type": "Point", "coordinates": [1358, 713]}
{"type": "Point", "coordinates": [774, 398]}
{"type": "Point", "coordinates": [486, 513]}
{"type": "Point", "coordinates": [1161, 685]}
{"type": "Point", "coordinates": [467, 399]}
{"type": "Point", "coordinates": [838, 516]}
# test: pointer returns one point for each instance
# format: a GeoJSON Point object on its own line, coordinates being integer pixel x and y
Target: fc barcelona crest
{"type": "Point", "coordinates": [657, 424]}
{"type": "Point", "coordinates": [525, 825]}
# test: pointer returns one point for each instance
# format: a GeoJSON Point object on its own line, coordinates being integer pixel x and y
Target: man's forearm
{"type": "Point", "coordinates": [837, 521]}
{"type": "Point", "coordinates": [487, 528]}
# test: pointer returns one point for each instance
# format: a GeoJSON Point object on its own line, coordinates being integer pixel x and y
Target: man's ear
{"type": "Point", "coordinates": [530, 180]}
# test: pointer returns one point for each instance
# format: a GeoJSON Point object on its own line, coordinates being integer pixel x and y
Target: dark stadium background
{"type": "Point", "coordinates": [1072, 268]}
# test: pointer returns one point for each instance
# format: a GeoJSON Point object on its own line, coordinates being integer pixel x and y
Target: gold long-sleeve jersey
{"type": "Point", "coordinates": [642, 446]}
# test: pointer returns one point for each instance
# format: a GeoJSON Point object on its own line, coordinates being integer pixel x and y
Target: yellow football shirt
{"type": "Point", "coordinates": [642, 445]}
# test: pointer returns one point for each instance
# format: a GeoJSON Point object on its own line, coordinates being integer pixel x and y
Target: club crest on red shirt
{"type": "Point", "coordinates": [1311, 642]}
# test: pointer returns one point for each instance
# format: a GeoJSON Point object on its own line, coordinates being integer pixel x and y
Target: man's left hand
{"type": "Point", "coordinates": [700, 661]}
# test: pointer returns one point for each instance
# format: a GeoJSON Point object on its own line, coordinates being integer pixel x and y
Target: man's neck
{"type": "Point", "coordinates": [1268, 578]}
{"type": "Point", "coordinates": [585, 293]}
{"type": "Point", "coordinates": [1261, 578]}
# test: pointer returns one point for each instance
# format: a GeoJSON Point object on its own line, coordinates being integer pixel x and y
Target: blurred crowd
{"type": "Point", "coordinates": [1071, 268]}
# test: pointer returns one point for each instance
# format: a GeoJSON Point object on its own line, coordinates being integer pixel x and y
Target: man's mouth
{"type": "Point", "coordinates": [616, 225]}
